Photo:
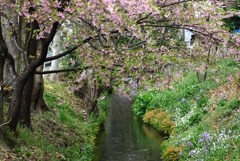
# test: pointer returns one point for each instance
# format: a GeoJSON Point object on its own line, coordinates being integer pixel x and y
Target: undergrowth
{"type": "Point", "coordinates": [65, 132]}
{"type": "Point", "coordinates": [205, 115]}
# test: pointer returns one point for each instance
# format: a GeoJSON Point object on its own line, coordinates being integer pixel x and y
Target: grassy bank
{"type": "Point", "coordinates": [201, 119]}
{"type": "Point", "coordinates": [64, 132]}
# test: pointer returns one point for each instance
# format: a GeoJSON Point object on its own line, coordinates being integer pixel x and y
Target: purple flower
{"type": "Point", "coordinates": [189, 143]}
{"type": "Point", "coordinates": [200, 140]}
{"type": "Point", "coordinates": [180, 153]}
{"type": "Point", "coordinates": [83, 149]}
{"type": "Point", "coordinates": [205, 108]}
{"type": "Point", "coordinates": [183, 100]}
{"type": "Point", "coordinates": [205, 149]}
{"type": "Point", "coordinates": [201, 91]}
{"type": "Point", "coordinates": [205, 135]}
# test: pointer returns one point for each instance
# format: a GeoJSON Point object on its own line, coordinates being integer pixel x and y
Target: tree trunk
{"type": "Point", "coordinates": [55, 50]}
{"type": "Point", "coordinates": [16, 103]}
{"type": "Point", "coordinates": [1, 94]}
{"type": "Point", "coordinates": [37, 102]}
{"type": "Point", "coordinates": [25, 116]}
{"type": "Point", "coordinates": [10, 44]}
{"type": "Point", "coordinates": [33, 92]}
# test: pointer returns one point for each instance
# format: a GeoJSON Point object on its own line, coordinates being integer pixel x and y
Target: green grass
{"type": "Point", "coordinates": [206, 121]}
{"type": "Point", "coordinates": [65, 132]}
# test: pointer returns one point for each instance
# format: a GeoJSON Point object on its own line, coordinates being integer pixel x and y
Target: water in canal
{"type": "Point", "coordinates": [125, 137]}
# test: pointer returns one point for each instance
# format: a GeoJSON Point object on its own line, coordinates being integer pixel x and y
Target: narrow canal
{"type": "Point", "coordinates": [125, 137]}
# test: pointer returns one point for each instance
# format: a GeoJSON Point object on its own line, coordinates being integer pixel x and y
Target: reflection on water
{"type": "Point", "coordinates": [126, 138]}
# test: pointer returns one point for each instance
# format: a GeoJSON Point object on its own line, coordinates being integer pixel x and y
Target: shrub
{"type": "Point", "coordinates": [160, 120]}
{"type": "Point", "coordinates": [172, 153]}
{"type": "Point", "coordinates": [142, 102]}
{"type": "Point", "coordinates": [149, 115]}
{"type": "Point", "coordinates": [195, 119]}
{"type": "Point", "coordinates": [202, 100]}
{"type": "Point", "coordinates": [234, 104]}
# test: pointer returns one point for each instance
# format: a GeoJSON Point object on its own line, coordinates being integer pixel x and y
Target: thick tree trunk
{"type": "Point", "coordinates": [12, 48]}
{"type": "Point", "coordinates": [37, 102]}
{"type": "Point", "coordinates": [25, 116]}
{"type": "Point", "coordinates": [16, 103]}
{"type": "Point", "coordinates": [1, 94]}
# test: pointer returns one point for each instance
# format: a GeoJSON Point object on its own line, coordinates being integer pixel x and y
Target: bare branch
{"type": "Point", "coordinates": [209, 35]}
{"type": "Point", "coordinates": [60, 71]}
{"type": "Point", "coordinates": [6, 122]}
{"type": "Point", "coordinates": [174, 3]}
{"type": "Point", "coordinates": [85, 21]}
{"type": "Point", "coordinates": [69, 51]}
{"type": "Point", "coordinates": [146, 17]}
{"type": "Point", "coordinates": [1, 84]}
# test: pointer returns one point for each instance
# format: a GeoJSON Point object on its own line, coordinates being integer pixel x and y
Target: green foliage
{"type": "Point", "coordinates": [234, 104]}
{"type": "Point", "coordinates": [233, 23]}
{"type": "Point", "coordinates": [50, 99]}
{"type": "Point", "coordinates": [186, 89]}
{"type": "Point", "coordinates": [195, 119]}
{"type": "Point", "coordinates": [184, 107]}
{"type": "Point", "coordinates": [202, 100]}
{"type": "Point", "coordinates": [67, 63]}
{"type": "Point", "coordinates": [62, 133]}
{"type": "Point", "coordinates": [104, 103]}
{"type": "Point", "coordinates": [230, 63]}
{"type": "Point", "coordinates": [140, 106]}
{"type": "Point", "coordinates": [65, 117]}
{"type": "Point", "coordinates": [222, 102]}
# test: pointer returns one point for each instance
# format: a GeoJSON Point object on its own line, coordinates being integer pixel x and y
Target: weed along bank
{"type": "Point", "coordinates": [201, 117]}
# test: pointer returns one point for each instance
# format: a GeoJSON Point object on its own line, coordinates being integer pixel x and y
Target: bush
{"type": "Point", "coordinates": [195, 119]}
{"type": "Point", "coordinates": [140, 106]}
{"type": "Point", "coordinates": [172, 153]}
{"type": "Point", "coordinates": [202, 100]}
{"type": "Point", "coordinates": [150, 115]}
{"type": "Point", "coordinates": [160, 120]}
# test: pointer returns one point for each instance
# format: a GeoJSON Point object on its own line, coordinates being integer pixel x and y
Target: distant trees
{"type": "Point", "coordinates": [233, 23]}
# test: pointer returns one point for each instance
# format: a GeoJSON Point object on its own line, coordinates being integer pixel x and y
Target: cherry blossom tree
{"type": "Point", "coordinates": [115, 39]}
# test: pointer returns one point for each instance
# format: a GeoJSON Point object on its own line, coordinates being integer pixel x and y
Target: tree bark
{"type": "Point", "coordinates": [2, 60]}
{"type": "Point", "coordinates": [37, 102]}
{"type": "Point", "coordinates": [20, 81]}
{"type": "Point", "coordinates": [16, 103]}
{"type": "Point", "coordinates": [10, 44]}
{"type": "Point", "coordinates": [25, 116]}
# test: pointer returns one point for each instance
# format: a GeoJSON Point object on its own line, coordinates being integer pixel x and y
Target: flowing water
{"type": "Point", "coordinates": [125, 137]}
